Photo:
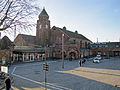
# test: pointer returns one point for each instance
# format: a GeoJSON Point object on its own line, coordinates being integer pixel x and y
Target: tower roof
{"type": "Point", "coordinates": [43, 12]}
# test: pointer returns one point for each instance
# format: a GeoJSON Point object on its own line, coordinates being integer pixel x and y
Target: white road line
{"type": "Point", "coordinates": [39, 82]}
{"type": "Point", "coordinates": [13, 70]}
{"type": "Point", "coordinates": [48, 84]}
{"type": "Point", "coordinates": [64, 88]}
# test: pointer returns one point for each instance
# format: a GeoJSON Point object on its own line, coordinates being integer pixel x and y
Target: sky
{"type": "Point", "coordinates": [91, 18]}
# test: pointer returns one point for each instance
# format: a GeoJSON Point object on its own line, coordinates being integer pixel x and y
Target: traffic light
{"type": "Point", "coordinates": [45, 67]}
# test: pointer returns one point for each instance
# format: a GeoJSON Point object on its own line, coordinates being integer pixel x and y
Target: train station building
{"type": "Point", "coordinates": [50, 41]}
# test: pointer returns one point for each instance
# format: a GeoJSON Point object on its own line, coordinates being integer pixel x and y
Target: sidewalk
{"type": "Point", "coordinates": [2, 86]}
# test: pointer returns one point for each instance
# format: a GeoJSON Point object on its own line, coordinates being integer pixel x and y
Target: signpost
{"type": "Point", "coordinates": [45, 68]}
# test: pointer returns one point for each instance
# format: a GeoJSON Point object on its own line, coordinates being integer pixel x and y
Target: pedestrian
{"type": "Point", "coordinates": [8, 83]}
{"type": "Point", "coordinates": [84, 60]}
{"type": "Point", "coordinates": [80, 62]}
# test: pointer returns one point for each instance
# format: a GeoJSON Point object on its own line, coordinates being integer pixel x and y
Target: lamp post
{"type": "Point", "coordinates": [109, 50]}
{"type": "Point", "coordinates": [62, 50]}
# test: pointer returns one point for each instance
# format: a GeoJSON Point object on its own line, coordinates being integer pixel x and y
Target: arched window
{"type": "Point", "coordinates": [46, 26]}
{"type": "Point", "coordinates": [80, 44]}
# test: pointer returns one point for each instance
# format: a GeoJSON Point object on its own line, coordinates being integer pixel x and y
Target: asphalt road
{"type": "Point", "coordinates": [91, 76]}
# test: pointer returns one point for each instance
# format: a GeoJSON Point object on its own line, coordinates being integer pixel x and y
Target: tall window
{"type": "Point", "coordinates": [85, 44]}
{"type": "Point", "coordinates": [80, 44]}
{"type": "Point", "coordinates": [40, 26]}
{"type": "Point", "coordinates": [74, 41]}
{"type": "Point", "coordinates": [46, 26]}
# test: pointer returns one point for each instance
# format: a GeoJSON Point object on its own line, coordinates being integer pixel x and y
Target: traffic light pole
{"type": "Point", "coordinates": [62, 50]}
{"type": "Point", "coordinates": [45, 71]}
{"type": "Point", "coordinates": [45, 79]}
{"type": "Point", "coordinates": [45, 68]}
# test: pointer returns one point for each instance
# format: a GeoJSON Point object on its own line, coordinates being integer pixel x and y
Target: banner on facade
{"type": "Point", "coordinates": [4, 69]}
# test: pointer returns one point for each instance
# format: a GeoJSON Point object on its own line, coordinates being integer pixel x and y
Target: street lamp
{"type": "Point", "coordinates": [62, 50]}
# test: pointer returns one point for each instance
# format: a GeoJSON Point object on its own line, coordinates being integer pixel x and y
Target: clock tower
{"type": "Point", "coordinates": [43, 29]}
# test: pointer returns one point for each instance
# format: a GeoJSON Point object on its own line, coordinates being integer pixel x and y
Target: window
{"type": "Point", "coordinates": [100, 46]}
{"type": "Point", "coordinates": [74, 41]}
{"type": "Point", "coordinates": [40, 26]}
{"type": "Point", "coordinates": [106, 45]}
{"type": "Point", "coordinates": [80, 44]}
{"type": "Point", "coordinates": [46, 26]}
{"type": "Point", "coordinates": [117, 45]}
{"type": "Point", "coordinates": [85, 44]}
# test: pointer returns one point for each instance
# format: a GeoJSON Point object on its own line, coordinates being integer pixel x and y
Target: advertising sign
{"type": "Point", "coordinates": [4, 69]}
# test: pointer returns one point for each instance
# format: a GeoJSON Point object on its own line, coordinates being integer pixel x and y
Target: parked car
{"type": "Point", "coordinates": [96, 60]}
{"type": "Point", "coordinates": [3, 75]}
{"type": "Point", "coordinates": [99, 57]}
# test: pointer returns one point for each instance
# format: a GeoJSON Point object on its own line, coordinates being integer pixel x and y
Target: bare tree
{"type": "Point", "coordinates": [17, 13]}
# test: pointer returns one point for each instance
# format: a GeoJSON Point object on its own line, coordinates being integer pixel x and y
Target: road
{"type": "Point", "coordinates": [91, 76]}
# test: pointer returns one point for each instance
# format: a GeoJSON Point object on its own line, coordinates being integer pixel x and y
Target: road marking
{"type": "Point", "coordinates": [48, 84]}
{"type": "Point", "coordinates": [13, 70]}
{"type": "Point", "coordinates": [38, 88]}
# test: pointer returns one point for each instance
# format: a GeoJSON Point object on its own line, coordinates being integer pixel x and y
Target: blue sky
{"type": "Point", "coordinates": [92, 18]}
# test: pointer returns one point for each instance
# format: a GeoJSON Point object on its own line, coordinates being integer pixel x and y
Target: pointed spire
{"type": "Point", "coordinates": [43, 12]}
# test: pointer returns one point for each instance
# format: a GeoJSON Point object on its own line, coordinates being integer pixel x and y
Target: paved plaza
{"type": "Point", "coordinates": [91, 76]}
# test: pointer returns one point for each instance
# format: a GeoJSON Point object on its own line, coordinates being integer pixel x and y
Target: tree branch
{"type": "Point", "coordinates": [1, 22]}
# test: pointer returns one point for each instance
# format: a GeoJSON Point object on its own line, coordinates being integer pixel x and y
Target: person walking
{"type": "Point", "coordinates": [84, 60]}
{"type": "Point", "coordinates": [8, 83]}
{"type": "Point", "coordinates": [80, 62]}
